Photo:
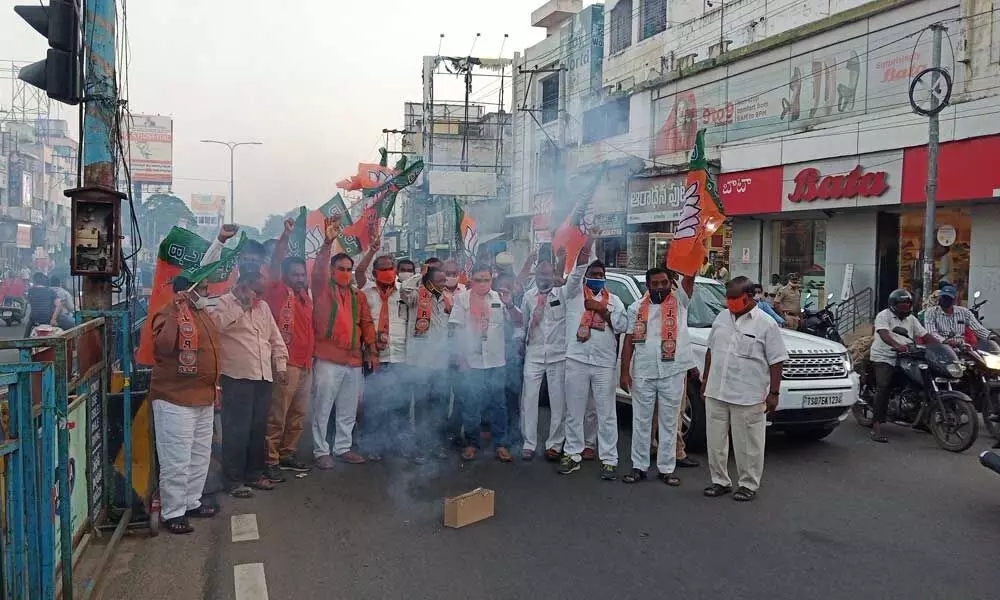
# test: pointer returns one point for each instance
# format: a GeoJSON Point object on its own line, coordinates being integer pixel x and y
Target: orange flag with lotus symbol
{"type": "Point", "coordinates": [701, 215]}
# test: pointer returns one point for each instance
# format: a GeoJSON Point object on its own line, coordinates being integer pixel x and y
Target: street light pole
{"type": "Point", "coordinates": [232, 163]}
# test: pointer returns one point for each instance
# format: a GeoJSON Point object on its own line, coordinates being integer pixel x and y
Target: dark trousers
{"type": "Point", "coordinates": [883, 387]}
{"type": "Point", "coordinates": [245, 406]}
{"type": "Point", "coordinates": [431, 397]}
{"type": "Point", "coordinates": [484, 399]}
{"type": "Point", "coordinates": [385, 426]}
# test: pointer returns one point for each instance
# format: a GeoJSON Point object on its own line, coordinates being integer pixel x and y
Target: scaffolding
{"type": "Point", "coordinates": [20, 102]}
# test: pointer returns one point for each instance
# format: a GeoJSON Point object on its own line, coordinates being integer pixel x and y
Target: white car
{"type": "Point", "coordinates": [818, 386]}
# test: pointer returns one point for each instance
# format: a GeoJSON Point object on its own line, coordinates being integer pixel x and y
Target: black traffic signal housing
{"type": "Point", "coordinates": [60, 74]}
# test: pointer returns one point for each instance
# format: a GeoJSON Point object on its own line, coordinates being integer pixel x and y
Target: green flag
{"type": "Point", "coordinates": [297, 241]}
{"type": "Point", "coordinates": [183, 250]}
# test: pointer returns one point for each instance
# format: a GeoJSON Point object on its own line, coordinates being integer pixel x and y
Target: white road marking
{"type": "Point", "coordinates": [249, 582]}
{"type": "Point", "coordinates": [244, 527]}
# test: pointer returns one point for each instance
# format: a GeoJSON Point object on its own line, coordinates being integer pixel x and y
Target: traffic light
{"type": "Point", "coordinates": [60, 74]}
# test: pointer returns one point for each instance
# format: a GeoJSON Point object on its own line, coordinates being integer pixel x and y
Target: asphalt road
{"type": "Point", "coordinates": [842, 518]}
{"type": "Point", "coordinates": [10, 333]}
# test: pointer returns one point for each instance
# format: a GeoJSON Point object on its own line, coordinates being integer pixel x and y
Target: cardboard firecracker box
{"type": "Point", "coordinates": [468, 508]}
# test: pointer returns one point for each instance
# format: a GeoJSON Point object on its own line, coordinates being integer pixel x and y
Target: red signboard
{"type": "Point", "coordinates": [967, 170]}
{"type": "Point", "coordinates": [811, 185]}
{"type": "Point", "coordinates": [751, 192]}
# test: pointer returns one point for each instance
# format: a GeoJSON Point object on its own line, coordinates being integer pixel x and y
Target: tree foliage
{"type": "Point", "coordinates": [159, 213]}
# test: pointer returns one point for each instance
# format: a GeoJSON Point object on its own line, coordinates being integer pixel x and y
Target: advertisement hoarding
{"type": "Point", "coordinates": [656, 199]}
{"type": "Point", "coordinates": [150, 143]}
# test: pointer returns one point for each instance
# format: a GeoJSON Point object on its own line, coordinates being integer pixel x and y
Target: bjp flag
{"type": "Point", "coordinates": [181, 252]}
{"type": "Point", "coordinates": [701, 215]}
{"type": "Point", "coordinates": [571, 235]}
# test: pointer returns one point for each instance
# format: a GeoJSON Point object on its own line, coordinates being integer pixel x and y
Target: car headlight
{"type": "Point", "coordinates": [955, 370]}
{"type": "Point", "coordinates": [992, 361]}
{"type": "Point", "coordinates": [848, 365]}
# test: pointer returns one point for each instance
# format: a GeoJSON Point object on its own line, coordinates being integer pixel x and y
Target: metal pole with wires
{"type": "Point", "coordinates": [232, 163]}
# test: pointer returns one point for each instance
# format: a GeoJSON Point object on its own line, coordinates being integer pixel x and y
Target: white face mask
{"type": "Point", "coordinates": [451, 281]}
{"type": "Point", "coordinates": [404, 277]}
{"type": "Point", "coordinates": [199, 302]}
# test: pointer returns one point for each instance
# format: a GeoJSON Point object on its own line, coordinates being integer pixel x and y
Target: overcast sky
{"type": "Point", "coordinates": [315, 80]}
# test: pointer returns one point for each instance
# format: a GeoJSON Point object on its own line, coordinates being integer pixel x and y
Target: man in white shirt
{"type": "Point", "coordinates": [594, 319]}
{"type": "Point", "coordinates": [656, 357]}
{"type": "Point", "coordinates": [544, 310]}
{"type": "Point", "coordinates": [386, 403]}
{"type": "Point", "coordinates": [741, 382]}
{"type": "Point", "coordinates": [478, 320]}
{"type": "Point", "coordinates": [427, 355]}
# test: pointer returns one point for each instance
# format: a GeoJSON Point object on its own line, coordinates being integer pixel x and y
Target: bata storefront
{"type": "Point", "coordinates": [654, 207]}
{"type": "Point", "coordinates": [849, 223]}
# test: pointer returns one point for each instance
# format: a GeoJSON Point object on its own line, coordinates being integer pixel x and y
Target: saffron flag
{"type": "Point", "coordinates": [378, 204]}
{"type": "Point", "coordinates": [575, 229]}
{"type": "Point", "coordinates": [467, 236]}
{"type": "Point", "coordinates": [181, 253]}
{"type": "Point", "coordinates": [701, 215]}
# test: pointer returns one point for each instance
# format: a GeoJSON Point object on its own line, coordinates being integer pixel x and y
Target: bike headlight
{"type": "Point", "coordinates": [992, 361]}
{"type": "Point", "coordinates": [955, 370]}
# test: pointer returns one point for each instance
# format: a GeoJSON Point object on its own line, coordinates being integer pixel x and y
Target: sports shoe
{"type": "Point", "coordinates": [274, 474]}
{"type": "Point", "coordinates": [609, 472]}
{"type": "Point", "coordinates": [290, 464]}
{"type": "Point", "coordinates": [567, 465]}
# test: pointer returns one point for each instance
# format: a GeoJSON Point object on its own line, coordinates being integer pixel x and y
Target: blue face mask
{"type": "Point", "coordinates": [595, 285]}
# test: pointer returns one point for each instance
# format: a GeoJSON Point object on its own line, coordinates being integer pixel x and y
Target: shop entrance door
{"type": "Point", "coordinates": [887, 257]}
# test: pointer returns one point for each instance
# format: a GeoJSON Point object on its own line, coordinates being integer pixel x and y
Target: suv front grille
{"type": "Point", "coordinates": [815, 366]}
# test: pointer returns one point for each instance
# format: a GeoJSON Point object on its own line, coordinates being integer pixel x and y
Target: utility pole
{"type": "Point", "coordinates": [100, 110]}
{"type": "Point", "coordinates": [232, 161]}
{"type": "Point", "coordinates": [933, 134]}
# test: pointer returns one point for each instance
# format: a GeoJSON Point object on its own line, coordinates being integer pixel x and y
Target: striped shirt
{"type": "Point", "coordinates": [943, 325]}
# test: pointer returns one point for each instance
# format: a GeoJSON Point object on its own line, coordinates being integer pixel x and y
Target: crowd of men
{"type": "Point", "coordinates": [428, 363]}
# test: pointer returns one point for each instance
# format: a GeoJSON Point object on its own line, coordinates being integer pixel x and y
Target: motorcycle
{"type": "Point", "coordinates": [820, 323]}
{"type": "Point", "coordinates": [977, 304]}
{"type": "Point", "coordinates": [982, 380]}
{"type": "Point", "coordinates": [12, 310]}
{"type": "Point", "coordinates": [924, 394]}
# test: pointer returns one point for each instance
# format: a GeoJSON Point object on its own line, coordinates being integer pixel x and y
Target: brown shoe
{"type": "Point", "coordinates": [351, 457]}
{"type": "Point", "coordinates": [469, 453]}
{"type": "Point", "coordinates": [262, 484]}
{"type": "Point", "coordinates": [503, 455]}
{"type": "Point", "coordinates": [589, 454]}
{"type": "Point", "coordinates": [325, 462]}
{"type": "Point", "coordinates": [552, 455]}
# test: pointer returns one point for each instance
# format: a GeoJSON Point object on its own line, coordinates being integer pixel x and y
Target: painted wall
{"type": "Point", "coordinates": [746, 234]}
{"type": "Point", "coordinates": [850, 239]}
{"type": "Point", "coordinates": [984, 266]}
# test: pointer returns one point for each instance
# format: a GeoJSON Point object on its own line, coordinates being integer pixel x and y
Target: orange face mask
{"type": "Point", "coordinates": [386, 277]}
{"type": "Point", "coordinates": [342, 277]}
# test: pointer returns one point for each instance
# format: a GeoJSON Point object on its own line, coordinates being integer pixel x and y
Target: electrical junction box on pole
{"type": "Point", "coordinates": [61, 73]}
{"type": "Point", "coordinates": [95, 238]}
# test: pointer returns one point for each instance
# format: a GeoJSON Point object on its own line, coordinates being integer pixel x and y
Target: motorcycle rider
{"type": "Point", "coordinates": [952, 322]}
{"type": "Point", "coordinates": [885, 349]}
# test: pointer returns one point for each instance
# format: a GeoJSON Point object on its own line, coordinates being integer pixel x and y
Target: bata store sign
{"type": "Point", "coordinates": [846, 182]}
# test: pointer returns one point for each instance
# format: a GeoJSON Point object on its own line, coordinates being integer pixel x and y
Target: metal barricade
{"type": "Point", "coordinates": [59, 389]}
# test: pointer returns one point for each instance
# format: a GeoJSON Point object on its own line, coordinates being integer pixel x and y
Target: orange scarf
{"type": "Point", "coordinates": [342, 327]}
{"type": "Point", "coordinates": [537, 313]}
{"type": "Point", "coordinates": [187, 340]}
{"type": "Point", "coordinates": [382, 339]}
{"type": "Point", "coordinates": [425, 310]}
{"type": "Point", "coordinates": [590, 319]}
{"type": "Point", "coordinates": [480, 311]}
{"type": "Point", "coordinates": [668, 326]}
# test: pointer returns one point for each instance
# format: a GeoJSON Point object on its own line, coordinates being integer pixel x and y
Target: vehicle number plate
{"type": "Point", "coordinates": [7, 313]}
{"type": "Point", "coordinates": [824, 400]}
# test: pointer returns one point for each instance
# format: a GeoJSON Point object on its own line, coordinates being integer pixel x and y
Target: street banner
{"type": "Point", "coordinates": [181, 253]}
{"type": "Point", "coordinates": [379, 202]}
{"type": "Point", "coordinates": [467, 236]}
{"type": "Point", "coordinates": [701, 215]}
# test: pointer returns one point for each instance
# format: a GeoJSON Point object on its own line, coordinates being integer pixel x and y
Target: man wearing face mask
{"type": "Point", "coordinates": [288, 297]}
{"type": "Point", "coordinates": [386, 423]}
{"type": "Point", "coordinates": [953, 323]}
{"type": "Point", "coordinates": [594, 319]}
{"type": "Point", "coordinates": [345, 337]}
{"type": "Point", "coordinates": [452, 287]}
{"type": "Point", "coordinates": [544, 310]}
{"type": "Point", "coordinates": [740, 384]}
{"type": "Point", "coordinates": [789, 301]}
{"type": "Point", "coordinates": [427, 354]}
{"type": "Point", "coordinates": [478, 319]}
{"type": "Point", "coordinates": [183, 388]}
{"type": "Point", "coordinates": [405, 269]}
{"type": "Point", "coordinates": [658, 340]}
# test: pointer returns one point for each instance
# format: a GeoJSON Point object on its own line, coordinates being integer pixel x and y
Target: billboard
{"type": "Point", "coordinates": [150, 145]}
{"type": "Point", "coordinates": [208, 204]}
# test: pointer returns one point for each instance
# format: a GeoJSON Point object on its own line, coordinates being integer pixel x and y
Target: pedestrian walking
{"type": "Point", "coordinates": [478, 319]}
{"type": "Point", "coordinates": [594, 318]}
{"type": "Point", "coordinates": [386, 410]}
{"type": "Point", "coordinates": [657, 339]}
{"type": "Point", "coordinates": [740, 384]}
{"type": "Point", "coordinates": [345, 338]}
{"type": "Point", "coordinates": [287, 294]}
{"type": "Point", "coordinates": [183, 384]}
{"type": "Point", "coordinates": [544, 310]}
{"type": "Point", "coordinates": [428, 350]}
{"type": "Point", "coordinates": [254, 355]}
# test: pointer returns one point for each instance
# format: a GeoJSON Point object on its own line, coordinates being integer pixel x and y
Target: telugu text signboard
{"type": "Point", "coordinates": [656, 199]}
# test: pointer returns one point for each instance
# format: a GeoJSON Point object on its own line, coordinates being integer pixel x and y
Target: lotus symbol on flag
{"type": "Point", "coordinates": [687, 227]}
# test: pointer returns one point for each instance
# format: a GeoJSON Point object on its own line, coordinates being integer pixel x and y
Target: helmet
{"type": "Point", "coordinates": [901, 303]}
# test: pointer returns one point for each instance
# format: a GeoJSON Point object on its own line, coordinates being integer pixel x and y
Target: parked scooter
{"type": "Point", "coordinates": [12, 310]}
{"type": "Point", "coordinates": [820, 323]}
